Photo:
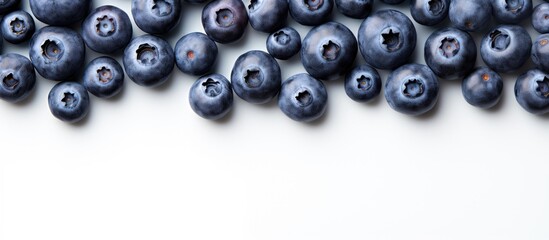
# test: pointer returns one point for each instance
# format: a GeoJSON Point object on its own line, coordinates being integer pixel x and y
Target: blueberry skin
{"type": "Point", "coordinates": [482, 88]}
{"type": "Point", "coordinates": [450, 53]}
{"type": "Point", "coordinates": [57, 53]}
{"type": "Point", "coordinates": [256, 77]}
{"type": "Point", "coordinates": [211, 96]}
{"type": "Point", "coordinates": [18, 77]}
{"type": "Point", "coordinates": [267, 15]}
{"type": "Point", "coordinates": [532, 91]}
{"type": "Point", "coordinates": [284, 43]}
{"type": "Point", "coordinates": [103, 77]}
{"type": "Point", "coordinates": [60, 12]}
{"type": "Point", "coordinates": [429, 12]}
{"type": "Point", "coordinates": [17, 27]}
{"type": "Point", "coordinates": [412, 89]}
{"type": "Point", "coordinates": [328, 51]}
{"type": "Point", "coordinates": [7, 6]}
{"type": "Point", "coordinates": [311, 12]}
{"type": "Point", "coordinates": [470, 15]}
{"type": "Point", "coordinates": [303, 98]}
{"type": "Point", "coordinates": [362, 83]}
{"type": "Point", "coordinates": [148, 60]}
{"type": "Point", "coordinates": [387, 39]}
{"type": "Point", "coordinates": [69, 101]}
{"type": "Point", "coordinates": [393, 2]}
{"type": "Point", "coordinates": [156, 17]}
{"type": "Point", "coordinates": [506, 48]}
{"type": "Point", "coordinates": [195, 53]}
{"type": "Point", "coordinates": [225, 21]}
{"type": "Point", "coordinates": [107, 29]}
{"type": "Point", "coordinates": [511, 11]}
{"type": "Point", "coordinates": [540, 52]}
{"type": "Point", "coordinates": [540, 18]}
{"type": "Point", "coordinates": [358, 9]}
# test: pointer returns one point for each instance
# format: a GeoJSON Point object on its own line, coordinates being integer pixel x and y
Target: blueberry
{"type": "Point", "coordinates": [511, 11]}
{"type": "Point", "coordinates": [358, 9]}
{"type": "Point", "coordinates": [18, 77]}
{"type": "Point", "coordinates": [211, 96]}
{"type": "Point", "coordinates": [506, 48]}
{"type": "Point", "coordinates": [540, 52]}
{"type": "Point", "coordinates": [470, 15]}
{"type": "Point", "coordinates": [148, 60]}
{"type": "Point", "coordinates": [412, 89]}
{"type": "Point", "coordinates": [195, 53]}
{"type": "Point", "coordinates": [540, 18]}
{"type": "Point", "coordinates": [7, 6]}
{"type": "Point", "coordinates": [387, 39]}
{"type": "Point", "coordinates": [268, 15]}
{"type": "Point", "coordinates": [311, 12]}
{"type": "Point", "coordinates": [103, 77]}
{"type": "Point", "coordinates": [57, 53]}
{"type": "Point", "coordinates": [17, 27]}
{"type": "Point", "coordinates": [532, 91]}
{"type": "Point", "coordinates": [256, 77]}
{"type": "Point", "coordinates": [225, 21]}
{"type": "Point", "coordinates": [107, 29]}
{"type": "Point", "coordinates": [69, 101]}
{"type": "Point", "coordinates": [429, 12]}
{"type": "Point", "coordinates": [303, 98]}
{"type": "Point", "coordinates": [482, 88]}
{"type": "Point", "coordinates": [156, 16]}
{"type": "Point", "coordinates": [59, 12]}
{"type": "Point", "coordinates": [362, 83]}
{"type": "Point", "coordinates": [328, 51]}
{"type": "Point", "coordinates": [393, 2]}
{"type": "Point", "coordinates": [284, 43]}
{"type": "Point", "coordinates": [450, 53]}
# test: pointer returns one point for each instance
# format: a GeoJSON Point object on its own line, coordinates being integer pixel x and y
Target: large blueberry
{"type": "Point", "coordinates": [17, 27]}
{"type": "Point", "coordinates": [482, 88]}
{"type": "Point", "coordinates": [107, 29]}
{"type": "Point", "coordinates": [17, 76]}
{"type": "Point", "coordinates": [7, 6]}
{"type": "Point", "coordinates": [69, 101]}
{"type": "Point", "coordinates": [156, 16]}
{"type": "Point", "coordinates": [211, 96]}
{"type": "Point", "coordinates": [540, 52]}
{"type": "Point", "coordinates": [225, 21]}
{"type": "Point", "coordinates": [103, 77]}
{"type": "Point", "coordinates": [511, 11]}
{"type": "Point", "coordinates": [470, 15]}
{"type": "Point", "coordinates": [362, 83]}
{"type": "Point", "coordinates": [303, 98]}
{"type": "Point", "coordinates": [532, 91]}
{"type": "Point", "coordinates": [429, 12]}
{"type": "Point", "coordinates": [328, 51]}
{"type": "Point", "coordinates": [387, 39]}
{"type": "Point", "coordinates": [412, 89]}
{"type": "Point", "coordinates": [540, 18]}
{"type": "Point", "coordinates": [268, 15]}
{"type": "Point", "coordinates": [311, 12]}
{"type": "Point", "coordinates": [195, 53]}
{"type": "Point", "coordinates": [506, 48]}
{"type": "Point", "coordinates": [355, 8]}
{"type": "Point", "coordinates": [284, 43]}
{"type": "Point", "coordinates": [148, 60]}
{"type": "Point", "coordinates": [256, 77]}
{"type": "Point", "coordinates": [60, 12]}
{"type": "Point", "coordinates": [57, 53]}
{"type": "Point", "coordinates": [450, 53]}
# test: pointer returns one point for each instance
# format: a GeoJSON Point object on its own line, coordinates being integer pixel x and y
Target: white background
{"type": "Point", "coordinates": [144, 166]}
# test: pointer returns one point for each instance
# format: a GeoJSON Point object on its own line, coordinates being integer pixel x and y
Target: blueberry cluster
{"type": "Point", "coordinates": [386, 40]}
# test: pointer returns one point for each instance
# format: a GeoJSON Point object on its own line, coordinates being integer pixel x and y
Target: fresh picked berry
{"type": "Point", "coordinates": [532, 91]}
{"type": "Point", "coordinates": [107, 29]}
{"type": "Point", "coordinates": [450, 53]}
{"type": "Point", "coordinates": [225, 21]}
{"type": "Point", "coordinates": [311, 12]}
{"type": "Point", "coordinates": [482, 88]}
{"type": "Point", "coordinates": [156, 16]}
{"type": "Point", "coordinates": [60, 12]}
{"type": "Point", "coordinates": [358, 9]}
{"type": "Point", "coordinates": [17, 27]}
{"type": "Point", "coordinates": [429, 12]}
{"type": "Point", "coordinates": [511, 11]}
{"type": "Point", "coordinates": [148, 60]}
{"type": "Point", "coordinates": [540, 18]}
{"type": "Point", "coordinates": [267, 15]}
{"type": "Point", "coordinates": [211, 96]}
{"type": "Point", "coordinates": [195, 53]}
{"type": "Point", "coordinates": [284, 43]}
{"type": "Point", "coordinates": [17, 76]}
{"type": "Point", "coordinates": [363, 83]}
{"type": "Point", "coordinates": [506, 48]}
{"type": "Point", "coordinates": [303, 98]}
{"type": "Point", "coordinates": [103, 77]}
{"type": "Point", "coordinates": [470, 15]}
{"type": "Point", "coordinates": [256, 77]}
{"type": "Point", "coordinates": [69, 101]}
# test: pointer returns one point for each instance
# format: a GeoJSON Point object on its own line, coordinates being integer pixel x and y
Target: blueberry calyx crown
{"type": "Point", "coordinates": [105, 26]}
{"type": "Point", "coordinates": [69, 99]}
{"type": "Point", "coordinates": [313, 4]}
{"type": "Point", "coordinates": [253, 78]}
{"type": "Point", "coordinates": [10, 82]}
{"type": "Point", "coordinates": [543, 87]}
{"type": "Point", "coordinates": [253, 4]}
{"type": "Point", "coordinates": [514, 5]}
{"type": "Point", "coordinates": [224, 17]}
{"type": "Point", "coordinates": [282, 38]}
{"type": "Point", "coordinates": [330, 51]}
{"type": "Point", "coordinates": [436, 7]}
{"type": "Point", "coordinates": [18, 26]}
{"type": "Point", "coordinates": [499, 40]}
{"type": "Point", "coordinates": [413, 88]}
{"type": "Point", "coordinates": [146, 54]}
{"type": "Point", "coordinates": [104, 75]}
{"type": "Point", "coordinates": [364, 83]}
{"type": "Point", "coordinates": [304, 97]}
{"type": "Point", "coordinates": [161, 8]}
{"type": "Point", "coordinates": [449, 47]}
{"type": "Point", "coordinates": [52, 50]}
{"type": "Point", "coordinates": [391, 40]}
{"type": "Point", "coordinates": [212, 88]}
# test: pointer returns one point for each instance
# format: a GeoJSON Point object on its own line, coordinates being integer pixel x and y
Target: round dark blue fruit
{"type": "Point", "coordinates": [303, 98]}
{"type": "Point", "coordinates": [311, 12]}
{"type": "Point", "coordinates": [267, 15]}
{"type": "Point", "coordinates": [470, 15]}
{"type": "Point", "coordinates": [284, 43]}
{"type": "Point", "coordinates": [107, 29]}
{"type": "Point", "coordinates": [511, 11]}
{"type": "Point", "coordinates": [148, 60]}
{"type": "Point", "coordinates": [450, 53]}
{"type": "Point", "coordinates": [59, 12]}
{"type": "Point", "coordinates": [7, 6]}
{"type": "Point", "coordinates": [195, 53]}
{"type": "Point", "coordinates": [506, 48]}
{"type": "Point", "coordinates": [17, 76]}
{"type": "Point", "coordinates": [358, 9]}
{"type": "Point", "coordinates": [412, 89]}
{"type": "Point", "coordinates": [69, 101]}
{"type": "Point", "coordinates": [211, 96]}
{"type": "Point", "coordinates": [532, 91]}
{"type": "Point", "coordinates": [482, 88]}
{"type": "Point", "coordinates": [156, 16]}
{"type": "Point", "coordinates": [429, 12]}
{"type": "Point", "coordinates": [57, 53]}
{"type": "Point", "coordinates": [103, 77]}
{"type": "Point", "coordinates": [328, 51]}
{"type": "Point", "coordinates": [362, 83]}
{"type": "Point", "coordinates": [387, 39]}
{"type": "Point", "coordinates": [17, 27]}
{"type": "Point", "coordinates": [256, 77]}
{"type": "Point", "coordinates": [225, 21]}
{"type": "Point", "coordinates": [540, 18]}
{"type": "Point", "coordinates": [540, 52]}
